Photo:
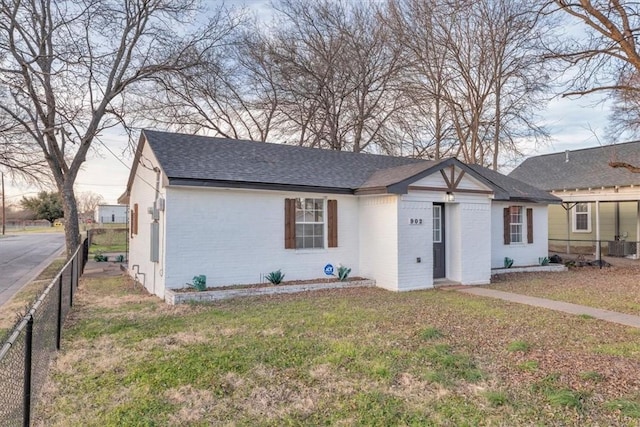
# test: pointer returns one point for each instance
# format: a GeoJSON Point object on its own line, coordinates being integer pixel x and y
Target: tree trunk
{"type": "Point", "coordinates": [71, 228]}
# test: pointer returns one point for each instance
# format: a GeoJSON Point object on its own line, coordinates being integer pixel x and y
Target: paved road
{"type": "Point", "coordinates": [23, 257]}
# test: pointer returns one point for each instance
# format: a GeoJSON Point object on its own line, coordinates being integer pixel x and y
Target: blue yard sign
{"type": "Point", "coordinates": [328, 270]}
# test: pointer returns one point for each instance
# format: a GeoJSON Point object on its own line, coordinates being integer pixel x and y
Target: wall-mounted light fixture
{"type": "Point", "coordinates": [449, 197]}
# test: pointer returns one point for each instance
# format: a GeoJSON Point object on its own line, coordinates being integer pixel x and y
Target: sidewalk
{"type": "Point", "coordinates": [609, 316]}
{"type": "Point", "coordinates": [102, 269]}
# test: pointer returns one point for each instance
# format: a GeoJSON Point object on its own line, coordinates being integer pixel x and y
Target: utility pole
{"type": "Point", "coordinates": [3, 210]}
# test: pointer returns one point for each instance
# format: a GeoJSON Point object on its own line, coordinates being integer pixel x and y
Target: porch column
{"type": "Point", "coordinates": [638, 231]}
{"type": "Point", "coordinates": [566, 209]}
{"type": "Point", "coordinates": [597, 230]}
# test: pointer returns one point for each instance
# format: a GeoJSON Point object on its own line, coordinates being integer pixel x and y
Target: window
{"type": "Point", "coordinates": [309, 223]}
{"type": "Point", "coordinates": [437, 224]}
{"type": "Point", "coordinates": [582, 218]}
{"type": "Point", "coordinates": [515, 224]}
{"type": "Point", "coordinates": [304, 223]}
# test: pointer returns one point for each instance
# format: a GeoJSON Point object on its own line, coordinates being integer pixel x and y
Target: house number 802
{"type": "Point", "coordinates": [415, 221]}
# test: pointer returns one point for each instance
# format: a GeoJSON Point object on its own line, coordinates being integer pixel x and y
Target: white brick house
{"type": "Point", "coordinates": [237, 210]}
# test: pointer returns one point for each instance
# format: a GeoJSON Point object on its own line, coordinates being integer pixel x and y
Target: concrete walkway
{"type": "Point", "coordinates": [566, 307]}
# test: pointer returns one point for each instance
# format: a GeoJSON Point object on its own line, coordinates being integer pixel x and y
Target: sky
{"type": "Point", "coordinates": [572, 123]}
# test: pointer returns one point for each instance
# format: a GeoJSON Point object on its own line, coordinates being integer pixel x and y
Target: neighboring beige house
{"type": "Point", "coordinates": [600, 203]}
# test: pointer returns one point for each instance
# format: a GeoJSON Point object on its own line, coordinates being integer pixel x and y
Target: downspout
{"type": "Point", "coordinates": [156, 215]}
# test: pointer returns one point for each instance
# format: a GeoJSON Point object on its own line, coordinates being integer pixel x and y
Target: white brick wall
{"type": "Point", "coordinates": [454, 242]}
{"type": "Point", "coordinates": [235, 236]}
{"type": "Point", "coordinates": [415, 241]}
{"type": "Point", "coordinates": [378, 225]}
{"type": "Point", "coordinates": [475, 249]}
{"type": "Point", "coordinates": [143, 193]}
{"type": "Point", "coordinates": [521, 253]}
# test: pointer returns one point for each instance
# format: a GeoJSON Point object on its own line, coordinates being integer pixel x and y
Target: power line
{"type": "Point", "coordinates": [126, 165]}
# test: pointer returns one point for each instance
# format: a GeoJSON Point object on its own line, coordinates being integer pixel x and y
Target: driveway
{"type": "Point", "coordinates": [23, 257]}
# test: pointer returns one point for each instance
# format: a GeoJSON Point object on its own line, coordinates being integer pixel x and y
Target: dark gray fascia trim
{"type": "Point", "coordinates": [371, 190]}
{"type": "Point", "coordinates": [532, 200]}
{"type": "Point", "coordinates": [190, 182]}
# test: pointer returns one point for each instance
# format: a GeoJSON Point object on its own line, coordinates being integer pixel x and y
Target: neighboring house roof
{"type": "Point", "coordinates": [579, 169]}
{"type": "Point", "coordinates": [196, 160]}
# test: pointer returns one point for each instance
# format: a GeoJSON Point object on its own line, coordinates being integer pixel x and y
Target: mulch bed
{"type": "Point", "coordinates": [270, 285]}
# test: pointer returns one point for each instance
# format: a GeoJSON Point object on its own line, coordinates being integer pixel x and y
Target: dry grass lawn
{"type": "Point", "coordinates": [614, 288]}
{"type": "Point", "coordinates": [348, 357]}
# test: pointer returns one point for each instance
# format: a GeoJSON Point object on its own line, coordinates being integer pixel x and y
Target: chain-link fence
{"type": "Point", "coordinates": [27, 351]}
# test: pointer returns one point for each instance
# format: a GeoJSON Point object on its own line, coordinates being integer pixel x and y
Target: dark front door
{"type": "Point", "coordinates": [438, 241]}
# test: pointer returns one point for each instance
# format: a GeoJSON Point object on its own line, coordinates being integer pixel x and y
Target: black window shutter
{"type": "Point", "coordinates": [289, 223]}
{"type": "Point", "coordinates": [529, 225]}
{"type": "Point", "coordinates": [332, 226]}
{"type": "Point", "coordinates": [507, 223]}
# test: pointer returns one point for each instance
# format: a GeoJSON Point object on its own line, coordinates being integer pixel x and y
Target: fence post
{"type": "Point", "coordinates": [71, 284]}
{"type": "Point", "coordinates": [28, 350]}
{"type": "Point", "coordinates": [59, 329]}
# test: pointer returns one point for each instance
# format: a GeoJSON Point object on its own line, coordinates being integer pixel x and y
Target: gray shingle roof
{"type": "Point", "coordinates": [196, 157]}
{"type": "Point", "coordinates": [517, 190]}
{"type": "Point", "coordinates": [201, 160]}
{"type": "Point", "coordinates": [587, 168]}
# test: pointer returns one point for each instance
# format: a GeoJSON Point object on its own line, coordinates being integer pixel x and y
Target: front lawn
{"type": "Point", "coordinates": [609, 288]}
{"type": "Point", "coordinates": [343, 357]}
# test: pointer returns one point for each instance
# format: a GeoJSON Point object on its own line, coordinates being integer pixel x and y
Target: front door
{"type": "Point", "coordinates": [438, 241]}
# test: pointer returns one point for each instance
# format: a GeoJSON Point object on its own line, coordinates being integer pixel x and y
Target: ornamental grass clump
{"type": "Point", "coordinates": [199, 283]}
{"type": "Point", "coordinates": [343, 273]}
{"type": "Point", "coordinates": [275, 277]}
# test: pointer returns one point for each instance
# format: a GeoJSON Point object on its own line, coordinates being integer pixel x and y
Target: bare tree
{"type": "Point", "coordinates": [426, 76]}
{"type": "Point", "coordinates": [474, 74]}
{"type": "Point", "coordinates": [88, 201]}
{"type": "Point", "coordinates": [70, 67]}
{"type": "Point", "coordinates": [228, 94]}
{"type": "Point", "coordinates": [331, 71]}
{"type": "Point", "coordinates": [603, 55]}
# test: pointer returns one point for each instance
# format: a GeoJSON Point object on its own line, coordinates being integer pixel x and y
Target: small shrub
{"type": "Point", "coordinates": [275, 277]}
{"type": "Point", "coordinates": [519, 346]}
{"type": "Point", "coordinates": [343, 273]}
{"type": "Point", "coordinates": [508, 262]}
{"type": "Point", "coordinates": [199, 283]}
{"type": "Point", "coordinates": [100, 258]}
{"type": "Point", "coordinates": [543, 260]}
{"type": "Point", "coordinates": [120, 258]}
